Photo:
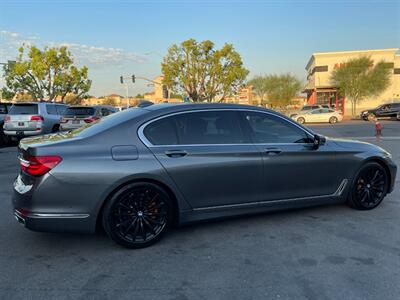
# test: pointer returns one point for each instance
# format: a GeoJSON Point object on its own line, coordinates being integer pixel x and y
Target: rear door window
{"type": "Point", "coordinates": [24, 109]}
{"type": "Point", "coordinates": [162, 132]}
{"type": "Point", "coordinates": [51, 109]}
{"type": "Point", "coordinates": [197, 128]}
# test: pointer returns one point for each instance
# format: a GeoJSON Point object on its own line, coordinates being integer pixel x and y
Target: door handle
{"type": "Point", "coordinates": [273, 151]}
{"type": "Point", "coordinates": [175, 153]}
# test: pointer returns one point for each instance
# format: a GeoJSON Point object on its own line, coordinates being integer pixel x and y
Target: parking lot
{"type": "Point", "coordinates": [330, 252]}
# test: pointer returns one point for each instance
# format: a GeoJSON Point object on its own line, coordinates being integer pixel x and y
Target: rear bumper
{"type": "Point", "coordinates": [22, 133]}
{"type": "Point", "coordinates": [42, 212]}
{"type": "Point", "coordinates": [46, 222]}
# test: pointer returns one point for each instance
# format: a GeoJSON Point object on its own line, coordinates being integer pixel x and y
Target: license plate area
{"type": "Point", "coordinates": [21, 124]}
{"type": "Point", "coordinates": [75, 121]}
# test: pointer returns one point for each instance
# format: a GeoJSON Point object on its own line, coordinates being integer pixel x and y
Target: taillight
{"type": "Point", "coordinates": [7, 119]}
{"type": "Point", "coordinates": [39, 165]}
{"type": "Point", "coordinates": [90, 119]}
{"type": "Point", "coordinates": [37, 119]}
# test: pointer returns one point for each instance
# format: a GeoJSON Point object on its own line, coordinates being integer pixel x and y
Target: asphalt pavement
{"type": "Point", "coordinates": [329, 252]}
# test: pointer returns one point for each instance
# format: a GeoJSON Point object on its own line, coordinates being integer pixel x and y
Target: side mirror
{"type": "Point", "coordinates": [319, 140]}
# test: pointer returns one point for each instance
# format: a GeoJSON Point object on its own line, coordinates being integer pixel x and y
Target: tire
{"type": "Point", "coordinates": [56, 128]}
{"type": "Point", "coordinates": [333, 120]}
{"type": "Point", "coordinates": [137, 215]}
{"type": "Point", "coordinates": [301, 120]}
{"type": "Point", "coordinates": [369, 187]}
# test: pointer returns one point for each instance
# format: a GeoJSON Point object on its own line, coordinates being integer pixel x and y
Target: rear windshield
{"type": "Point", "coordinates": [24, 109]}
{"type": "Point", "coordinates": [79, 111]}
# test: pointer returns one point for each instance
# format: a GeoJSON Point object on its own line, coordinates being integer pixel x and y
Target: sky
{"type": "Point", "coordinates": [125, 37]}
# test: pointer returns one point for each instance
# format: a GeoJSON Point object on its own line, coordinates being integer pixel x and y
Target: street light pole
{"type": "Point", "coordinates": [127, 95]}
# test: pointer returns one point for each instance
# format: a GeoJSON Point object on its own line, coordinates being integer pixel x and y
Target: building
{"type": "Point", "coordinates": [320, 90]}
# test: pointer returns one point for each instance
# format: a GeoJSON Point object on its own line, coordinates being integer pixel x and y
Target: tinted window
{"type": "Point", "coordinates": [51, 109]}
{"type": "Point", "coordinates": [3, 109]}
{"type": "Point", "coordinates": [197, 128]}
{"type": "Point", "coordinates": [211, 127]}
{"type": "Point", "coordinates": [61, 109]}
{"type": "Point", "coordinates": [316, 111]}
{"type": "Point", "coordinates": [79, 111]}
{"type": "Point", "coordinates": [24, 109]}
{"type": "Point", "coordinates": [268, 128]}
{"type": "Point", "coordinates": [105, 112]}
{"type": "Point", "coordinates": [162, 132]}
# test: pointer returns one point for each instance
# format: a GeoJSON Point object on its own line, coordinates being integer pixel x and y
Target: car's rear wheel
{"type": "Point", "coordinates": [333, 120]}
{"type": "Point", "coordinates": [137, 215]}
{"type": "Point", "coordinates": [369, 187]}
{"type": "Point", "coordinates": [301, 120]}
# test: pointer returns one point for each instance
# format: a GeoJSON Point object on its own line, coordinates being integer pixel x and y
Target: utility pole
{"type": "Point", "coordinates": [121, 79]}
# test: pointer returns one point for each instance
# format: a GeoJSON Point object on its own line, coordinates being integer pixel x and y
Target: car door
{"type": "Point", "coordinates": [293, 167]}
{"type": "Point", "coordinates": [208, 156]}
{"type": "Point", "coordinates": [315, 116]}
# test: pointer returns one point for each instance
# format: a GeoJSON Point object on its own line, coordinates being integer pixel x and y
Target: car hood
{"type": "Point", "coordinates": [358, 146]}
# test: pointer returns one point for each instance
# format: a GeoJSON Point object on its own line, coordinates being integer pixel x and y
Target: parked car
{"type": "Point", "coordinates": [142, 170]}
{"type": "Point", "coordinates": [33, 118]}
{"type": "Point", "coordinates": [320, 115]}
{"type": "Point", "coordinates": [77, 116]}
{"type": "Point", "coordinates": [390, 110]}
{"type": "Point", "coordinates": [306, 108]}
{"type": "Point", "coordinates": [4, 108]}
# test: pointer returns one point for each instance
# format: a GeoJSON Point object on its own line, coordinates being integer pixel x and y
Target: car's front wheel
{"type": "Point", "coordinates": [369, 187]}
{"type": "Point", "coordinates": [137, 215]}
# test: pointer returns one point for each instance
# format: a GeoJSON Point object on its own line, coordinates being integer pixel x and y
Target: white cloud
{"type": "Point", "coordinates": [83, 54]}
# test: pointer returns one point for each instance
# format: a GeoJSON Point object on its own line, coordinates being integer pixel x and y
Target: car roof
{"type": "Point", "coordinates": [168, 107]}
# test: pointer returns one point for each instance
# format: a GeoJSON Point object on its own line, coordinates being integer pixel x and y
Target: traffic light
{"type": "Point", "coordinates": [133, 78]}
{"type": "Point", "coordinates": [165, 92]}
{"type": "Point", "coordinates": [121, 78]}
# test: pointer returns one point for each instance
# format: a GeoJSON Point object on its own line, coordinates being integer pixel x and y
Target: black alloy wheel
{"type": "Point", "coordinates": [370, 187]}
{"type": "Point", "coordinates": [137, 215]}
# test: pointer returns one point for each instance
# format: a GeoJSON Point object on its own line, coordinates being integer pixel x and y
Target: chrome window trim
{"type": "Point", "coordinates": [145, 141]}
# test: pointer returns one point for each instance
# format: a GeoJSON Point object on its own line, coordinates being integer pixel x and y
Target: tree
{"type": "Point", "coordinates": [359, 78]}
{"type": "Point", "coordinates": [278, 89]}
{"type": "Point", "coordinates": [260, 87]}
{"type": "Point", "coordinates": [72, 99]}
{"type": "Point", "coordinates": [46, 74]}
{"type": "Point", "coordinates": [202, 72]}
{"type": "Point", "coordinates": [282, 89]}
{"type": "Point", "coordinates": [7, 94]}
{"type": "Point", "coordinates": [109, 101]}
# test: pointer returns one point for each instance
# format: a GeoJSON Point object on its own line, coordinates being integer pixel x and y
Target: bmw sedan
{"type": "Point", "coordinates": [137, 172]}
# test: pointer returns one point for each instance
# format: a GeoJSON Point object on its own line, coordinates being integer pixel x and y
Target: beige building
{"type": "Point", "coordinates": [320, 90]}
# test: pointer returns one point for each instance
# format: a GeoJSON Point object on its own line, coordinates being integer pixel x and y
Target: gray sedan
{"type": "Point", "coordinates": [140, 171]}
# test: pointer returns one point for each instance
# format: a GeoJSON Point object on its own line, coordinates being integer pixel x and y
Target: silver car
{"type": "Point", "coordinates": [77, 116]}
{"type": "Point", "coordinates": [36, 118]}
{"type": "Point", "coordinates": [139, 171]}
{"type": "Point", "coordinates": [320, 115]}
